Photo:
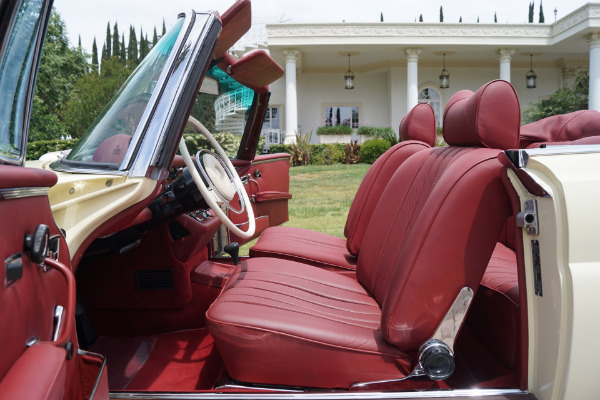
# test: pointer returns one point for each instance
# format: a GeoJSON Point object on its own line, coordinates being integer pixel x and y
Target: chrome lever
{"type": "Point", "coordinates": [58, 316]}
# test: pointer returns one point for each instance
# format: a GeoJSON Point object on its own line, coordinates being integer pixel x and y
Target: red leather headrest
{"type": "Point", "coordinates": [490, 117]}
{"type": "Point", "coordinates": [419, 124]}
{"type": "Point", "coordinates": [562, 128]}
{"type": "Point", "coordinates": [112, 150]}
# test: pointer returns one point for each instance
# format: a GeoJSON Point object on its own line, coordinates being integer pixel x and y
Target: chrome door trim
{"type": "Point", "coordinates": [433, 394]}
{"type": "Point", "coordinates": [21, 193]}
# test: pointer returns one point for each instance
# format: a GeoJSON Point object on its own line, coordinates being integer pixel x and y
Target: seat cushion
{"type": "Point", "coordinates": [306, 246]}
{"type": "Point", "coordinates": [278, 321]}
{"type": "Point", "coordinates": [495, 313]}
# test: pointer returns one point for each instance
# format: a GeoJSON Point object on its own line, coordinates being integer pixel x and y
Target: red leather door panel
{"type": "Point", "coordinates": [268, 187]}
{"type": "Point", "coordinates": [39, 349]}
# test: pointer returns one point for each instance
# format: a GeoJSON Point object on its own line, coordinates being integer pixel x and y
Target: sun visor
{"type": "Point", "coordinates": [236, 21]}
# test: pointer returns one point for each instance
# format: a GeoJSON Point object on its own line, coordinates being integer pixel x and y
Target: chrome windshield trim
{"type": "Point", "coordinates": [524, 154]}
{"type": "Point", "coordinates": [21, 193]}
{"type": "Point", "coordinates": [433, 394]}
{"type": "Point", "coordinates": [77, 168]}
{"type": "Point", "coordinates": [190, 63]}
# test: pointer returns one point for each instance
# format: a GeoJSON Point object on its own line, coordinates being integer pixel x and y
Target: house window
{"type": "Point", "coordinates": [433, 97]}
{"type": "Point", "coordinates": [342, 115]}
{"type": "Point", "coordinates": [271, 128]}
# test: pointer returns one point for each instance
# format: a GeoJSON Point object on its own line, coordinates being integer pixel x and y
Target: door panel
{"type": "Point", "coordinates": [267, 182]}
{"type": "Point", "coordinates": [37, 296]}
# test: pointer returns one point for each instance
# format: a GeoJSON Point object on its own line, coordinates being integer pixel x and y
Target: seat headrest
{"type": "Point", "coordinates": [562, 128]}
{"type": "Point", "coordinates": [419, 124]}
{"type": "Point", "coordinates": [490, 117]}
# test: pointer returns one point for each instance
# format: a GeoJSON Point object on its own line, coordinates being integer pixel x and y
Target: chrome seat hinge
{"type": "Point", "coordinates": [528, 218]}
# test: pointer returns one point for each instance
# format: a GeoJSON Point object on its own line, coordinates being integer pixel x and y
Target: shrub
{"type": "Point", "coordinates": [334, 130]}
{"type": "Point", "coordinates": [327, 154]}
{"type": "Point", "coordinates": [351, 153]}
{"type": "Point", "coordinates": [37, 149]}
{"type": "Point", "coordinates": [302, 149]}
{"type": "Point", "coordinates": [372, 149]}
{"type": "Point", "coordinates": [280, 148]}
{"type": "Point", "coordinates": [375, 131]}
{"type": "Point", "coordinates": [228, 141]}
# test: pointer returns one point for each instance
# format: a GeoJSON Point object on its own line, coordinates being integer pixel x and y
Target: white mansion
{"type": "Point", "coordinates": [396, 65]}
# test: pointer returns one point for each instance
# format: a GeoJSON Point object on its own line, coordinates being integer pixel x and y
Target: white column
{"type": "Point", "coordinates": [505, 56]}
{"type": "Point", "coordinates": [291, 98]}
{"type": "Point", "coordinates": [594, 96]}
{"type": "Point", "coordinates": [412, 78]}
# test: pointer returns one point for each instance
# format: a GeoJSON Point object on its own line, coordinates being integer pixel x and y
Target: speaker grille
{"type": "Point", "coordinates": [161, 279]}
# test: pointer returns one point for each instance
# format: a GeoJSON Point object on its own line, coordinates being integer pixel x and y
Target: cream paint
{"type": "Point", "coordinates": [563, 323]}
{"type": "Point", "coordinates": [81, 203]}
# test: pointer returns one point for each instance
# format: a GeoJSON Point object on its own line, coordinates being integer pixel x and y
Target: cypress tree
{"type": "Point", "coordinates": [495, 18]}
{"type": "Point", "coordinates": [104, 52]}
{"type": "Point", "coordinates": [154, 38]}
{"type": "Point", "coordinates": [123, 57]}
{"type": "Point", "coordinates": [478, 19]}
{"type": "Point", "coordinates": [79, 44]}
{"type": "Point", "coordinates": [381, 17]}
{"type": "Point", "coordinates": [94, 56]}
{"type": "Point", "coordinates": [542, 19]}
{"type": "Point", "coordinates": [144, 47]}
{"type": "Point", "coordinates": [164, 28]}
{"type": "Point", "coordinates": [531, 12]}
{"type": "Point", "coordinates": [115, 40]}
{"type": "Point", "coordinates": [107, 45]}
{"type": "Point", "coordinates": [460, 20]}
{"type": "Point", "coordinates": [421, 18]}
{"type": "Point", "coordinates": [441, 14]}
{"type": "Point", "coordinates": [132, 49]}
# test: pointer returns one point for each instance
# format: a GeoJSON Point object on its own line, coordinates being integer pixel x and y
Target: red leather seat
{"type": "Point", "coordinates": [432, 233]}
{"type": "Point", "coordinates": [417, 132]}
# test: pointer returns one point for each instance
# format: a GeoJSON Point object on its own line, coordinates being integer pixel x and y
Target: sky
{"type": "Point", "coordinates": [88, 18]}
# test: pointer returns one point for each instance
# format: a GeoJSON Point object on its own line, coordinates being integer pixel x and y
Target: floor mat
{"type": "Point", "coordinates": [177, 361]}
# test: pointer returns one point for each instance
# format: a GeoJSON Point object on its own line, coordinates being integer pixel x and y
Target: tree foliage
{"type": "Point", "coordinates": [60, 67]}
{"type": "Point", "coordinates": [92, 92]}
{"type": "Point", "coordinates": [563, 101]}
{"type": "Point", "coordinates": [542, 19]}
{"type": "Point", "coordinates": [441, 14]}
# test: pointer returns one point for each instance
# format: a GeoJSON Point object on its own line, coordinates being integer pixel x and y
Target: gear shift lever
{"type": "Point", "coordinates": [233, 249]}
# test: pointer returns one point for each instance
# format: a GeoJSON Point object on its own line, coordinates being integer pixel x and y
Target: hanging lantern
{"type": "Point", "coordinates": [531, 76]}
{"type": "Point", "coordinates": [349, 76]}
{"type": "Point", "coordinates": [444, 76]}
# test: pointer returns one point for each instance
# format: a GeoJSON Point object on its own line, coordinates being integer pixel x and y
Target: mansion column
{"type": "Point", "coordinates": [505, 57]}
{"type": "Point", "coordinates": [291, 97]}
{"type": "Point", "coordinates": [412, 78]}
{"type": "Point", "coordinates": [594, 70]}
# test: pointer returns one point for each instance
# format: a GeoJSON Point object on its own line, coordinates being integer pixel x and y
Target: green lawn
{"type": "Point", "coordinates": [322, 195]}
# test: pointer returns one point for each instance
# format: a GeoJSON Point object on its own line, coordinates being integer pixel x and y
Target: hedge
{"type": "Point", "coordinates": [375, 131]}
{"type": "Point", "coordinates": [372, 149]}
{"type": "Point", "coordinates": [334, 130]}
{"type": "Point", "coordinates": [37, 149]}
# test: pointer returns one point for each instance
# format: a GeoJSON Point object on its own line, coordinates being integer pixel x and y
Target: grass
{"type": "Point", "coordinates": [321, 197]}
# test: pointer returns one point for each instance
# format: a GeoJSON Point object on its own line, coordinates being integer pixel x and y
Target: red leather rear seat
{"type": "Point", "coordinates": [417, 132]}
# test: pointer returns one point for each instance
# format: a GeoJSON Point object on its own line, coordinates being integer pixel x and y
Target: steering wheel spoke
{"type": "Point", "coordinates": [219, 182]}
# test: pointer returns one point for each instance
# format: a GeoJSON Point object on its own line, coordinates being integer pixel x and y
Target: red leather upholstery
{"type": "Point", "coordinates": [561, 128]}
{"type": "Point", "coordinates": [324, 250]}
{"type": "Point", "coordinates": [495, 312]}
{"type": "Point", "coordinates": [419, 124]}
{"type": "Point", "coordinates": [40, 373]}
{"type": "Point", "coordinates": [432, 234]}
{"type": "Point", "coordinates": [309, 247]}
{"type": "Point", "coordinates": [284, 322]}
{"type": "Point", "coordinates": [488, 118]}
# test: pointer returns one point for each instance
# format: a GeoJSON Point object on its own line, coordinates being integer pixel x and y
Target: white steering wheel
{"type": "Point", "coordinates": [221, 181]}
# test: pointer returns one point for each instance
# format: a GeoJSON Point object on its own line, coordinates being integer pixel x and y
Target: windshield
{"type": "Point", "coordinates": [15, 78]}
{"type": "Point", "coordinates": [107, 139]}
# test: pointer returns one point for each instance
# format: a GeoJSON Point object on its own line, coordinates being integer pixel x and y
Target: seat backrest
{"type": "Point", "coordinates": [417, 132]}
{"type": "Point", "coordinates": [579, 127]}
{"type": "Point", "coordinates": [437, 222]}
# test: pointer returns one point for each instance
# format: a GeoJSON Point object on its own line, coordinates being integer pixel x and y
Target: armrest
{"type": "Point", "coordinates": [271, 196]}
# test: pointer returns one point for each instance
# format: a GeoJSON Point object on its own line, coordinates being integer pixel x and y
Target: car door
{"type": "Point", "coordinates": [40, 357]}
